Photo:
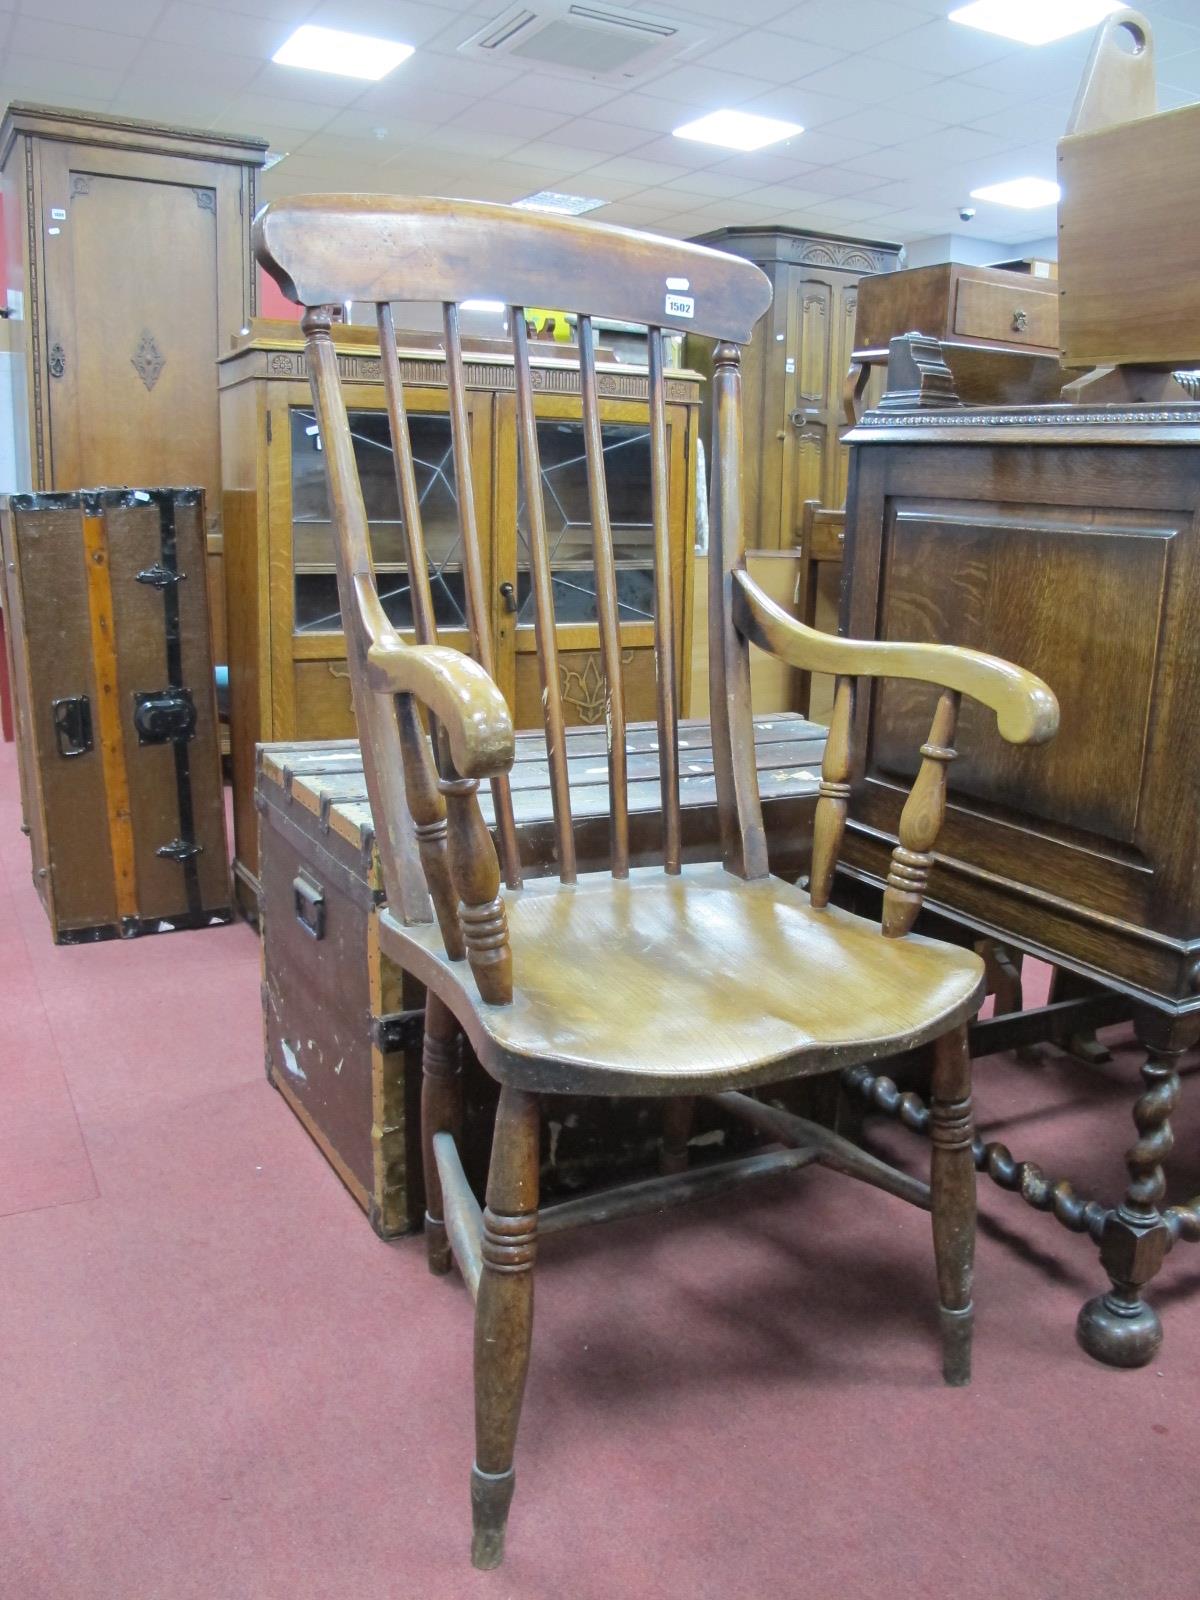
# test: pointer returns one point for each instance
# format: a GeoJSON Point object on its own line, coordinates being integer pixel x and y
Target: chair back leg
{"type": "Point", "coordinates": [952, 1196]}
{"type": "Point", "coordinates": [441, 1112]}
{"type": "Point", "coordinates": [503, 1317]}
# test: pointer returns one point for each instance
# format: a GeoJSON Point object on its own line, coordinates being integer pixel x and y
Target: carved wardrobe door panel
{"type": "Point", "coordinates": [134, 314]}
{"type": "Point", "coordinates": [810, 331]}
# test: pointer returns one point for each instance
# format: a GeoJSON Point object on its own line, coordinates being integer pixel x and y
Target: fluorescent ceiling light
{"type": "Point", "coordinates": [482, 305]}
{"type": "Point", "coordinates": [1034, 21]}
{"type": "Point", "coordinates": [350, 55]}
{"type": "Point", "coordinates": [738, 130]}
{"type": "Point", "coordinates": [1027, 194]}
{"type": "Point", "coordinates": [567, 205]}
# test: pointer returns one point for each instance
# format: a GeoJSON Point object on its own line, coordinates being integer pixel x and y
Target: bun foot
{"type": "Point", "coordinates": [1120, 1331]}
{"type": "Point", "coordinates": [491, 1496]}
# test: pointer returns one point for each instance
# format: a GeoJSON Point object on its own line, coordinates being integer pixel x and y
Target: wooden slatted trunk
{"type": "Point", "coordinates": [106, 597]}
{"type": "Point", "coordinates": [343, 1024]}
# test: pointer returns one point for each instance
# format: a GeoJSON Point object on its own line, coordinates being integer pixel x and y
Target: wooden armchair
{"type": "Point", "coordinates": [671, 981]}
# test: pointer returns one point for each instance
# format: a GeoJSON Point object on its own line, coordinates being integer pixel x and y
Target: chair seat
{"type": "Point", "coordinates": [660, 984]}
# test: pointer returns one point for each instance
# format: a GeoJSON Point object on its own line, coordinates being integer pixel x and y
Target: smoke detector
{"type": "Point", "coordinates": [592, 41]}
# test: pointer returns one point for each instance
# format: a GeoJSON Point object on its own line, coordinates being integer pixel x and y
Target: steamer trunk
{"type": "Point", "coordinates": [105, 594]}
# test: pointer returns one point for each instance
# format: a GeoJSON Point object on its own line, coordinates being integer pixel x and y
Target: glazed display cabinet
{"type": "Point", "coordinates": [288, 673]}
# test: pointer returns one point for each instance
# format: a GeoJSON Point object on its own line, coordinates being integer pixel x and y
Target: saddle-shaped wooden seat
{"type": "Point", "coordinates": [745, 982]}
{"type": "Point", "coordinates": [712, 979]}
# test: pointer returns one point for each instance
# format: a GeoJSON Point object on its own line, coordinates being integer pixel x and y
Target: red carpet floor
{"type": "Point", "coordinates": [218, 1385]}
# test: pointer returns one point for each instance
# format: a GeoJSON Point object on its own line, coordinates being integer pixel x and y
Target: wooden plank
{"type": "Point", "coordinates": [108, 714]}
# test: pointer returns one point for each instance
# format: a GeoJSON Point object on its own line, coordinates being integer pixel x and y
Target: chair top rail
{"type": "Point", "coordinates": [328, 248]}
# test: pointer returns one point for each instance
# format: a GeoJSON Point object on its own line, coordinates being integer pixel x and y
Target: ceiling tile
{"type": "Point", "coordinates": [952, 101]}
{"type": "Point", "coordinates": [572, 96]}
{"type": "Point", "coordinates": [66, 42]}
{"type": "Point", "coordinates": [466, 141]}
{"type": "Point", "coordinates": [557, 156]}
{"type": "Point", "coordinates": [1035, 74]}
{"type": "Point", "coordinates": [315, 88]}
{"type": "Point", "coordinates": [294, 114]}
{"type": "Point", "coordinates": [630, 169]}
{"type": "Point", "coordinates": [643, 111]}
{"type": "Point", "coordinates": [171, 64]}
{"type": "Point", "coordinates": [37, 78]}
{"type": "Point", "coordinates": [589, 133]}
{"type": "Point", "coordinates": [717, 185]}
{"type": "Point", "coordinates": [498, 116]}
{"type": "Point", "coordinates": [837, 181]}
{"type": "Point", "coordinates": [760, 53]}
{"type": "Point", "coordinates": [409, 98]}
{"type": "Point", "coordinates": [855, 209]}
{"type": "Point", "coordinates": [460, 75]}
{"type": "Point", "coordinates": [794, 102]}
{"type": "Point", "coordinates": [848, 27]}
{"type": "Point", "coordinates": [1037, 120]}
{"type": "Point", "coordinates": [690, 153]}
{"type": "Point", "coordinates": [706, 88]}
{"type": "Point", "coordinates": [213, 29]}
{"type": "Point", "coordinates": [946, 47]}
{"type": "Point", "coordinates": [405, 20]}
{"type": "Point", "coordinates": [1180, 72]}
{"type": "Point", "coordinates": [826, 149]}
{"type": "Point", "coordinates": [860, 78]}
{"type": "Point", "coordinates": [360, 125]}
{"type": "Point", "coordinates": [132, 16]}
{"type": "Point", "coordinates": [766, 166]}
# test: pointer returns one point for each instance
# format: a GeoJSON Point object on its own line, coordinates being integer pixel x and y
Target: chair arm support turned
{"type": "Point", "coordinates": [1025, 707]}
{"type": "Point", "coordinates": [458, 692]}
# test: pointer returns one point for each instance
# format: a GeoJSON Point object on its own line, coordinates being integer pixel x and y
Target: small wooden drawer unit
{"type": "Point", "coordinates": [343, 1025]}
{"type": "Point", "coordinates": [980, 305]}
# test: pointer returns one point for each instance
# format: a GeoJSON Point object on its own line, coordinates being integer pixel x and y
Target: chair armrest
{"type": "Point", "coordinates": [1026, 709]}
{"type": "Point", "coordinates": [458, 692]}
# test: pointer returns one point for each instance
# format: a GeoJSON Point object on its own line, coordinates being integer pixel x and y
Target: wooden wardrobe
{"type": "Point", "coordinates": [129, 268]}
{"type": "Point", "coordinates": [794, 370]}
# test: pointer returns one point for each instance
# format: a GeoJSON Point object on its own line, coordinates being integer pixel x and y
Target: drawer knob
{"type": "Point", "coordinates": [1019, 320]}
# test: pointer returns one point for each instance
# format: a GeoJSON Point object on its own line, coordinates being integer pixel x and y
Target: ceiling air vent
{"type": "Point", "coordinates": [594, 41]}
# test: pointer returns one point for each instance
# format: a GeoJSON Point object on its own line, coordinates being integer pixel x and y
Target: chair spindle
{"type": "Point", "coordinates": [476, 872]}
{"type": "Point", "coordinates": [829, 824]}
{"type": "Point", "coordinates": [743, 838]}
{"type": "Point", "coordinates": [543, 600]}
{"type": "Point", "coordinates": [920, 823]}
{"type": "Point", "coordinates": [664, 609]}
{"type": "Point", "coordinates": [381, 752]}
{"type": "Point", "coordinates": [424, 623]}
{"type": "Point", "coordinates": [476, 592]}
{"type": "Point", "coordinates": [428, 810]}
{"type": "Point", "coordinates": [606, 604]}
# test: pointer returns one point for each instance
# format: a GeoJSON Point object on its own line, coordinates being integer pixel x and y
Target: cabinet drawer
{"type": "Point", "coordinates": [826, 541]}
{"type": "Point", "coordinates": [1010, 316]}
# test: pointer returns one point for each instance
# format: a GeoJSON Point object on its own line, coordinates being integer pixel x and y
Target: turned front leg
{"type": "Point", "coordinates": [952, 1186]}
{"type": "Point", "coordinates": [441, 1112]}
{"type": "Point", "coordinates": [503, 1318]}
{"type": "Point", "coordinates": [1118, 1327]}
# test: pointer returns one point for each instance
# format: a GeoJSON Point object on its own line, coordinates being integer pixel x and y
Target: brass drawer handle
{"type": "Point", "coordinates": [1020, 320]}
{"type": "Point", "coordinates": [335, 673]}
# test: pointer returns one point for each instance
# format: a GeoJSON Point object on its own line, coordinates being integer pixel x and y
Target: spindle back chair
{"type": "Point", "coordinates": [661, 981]}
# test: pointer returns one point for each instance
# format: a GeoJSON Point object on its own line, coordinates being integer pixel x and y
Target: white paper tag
{"type": "Point", "coordinates": [57, 214]}
{"type": "Point", "coordinates": [681, 305]}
